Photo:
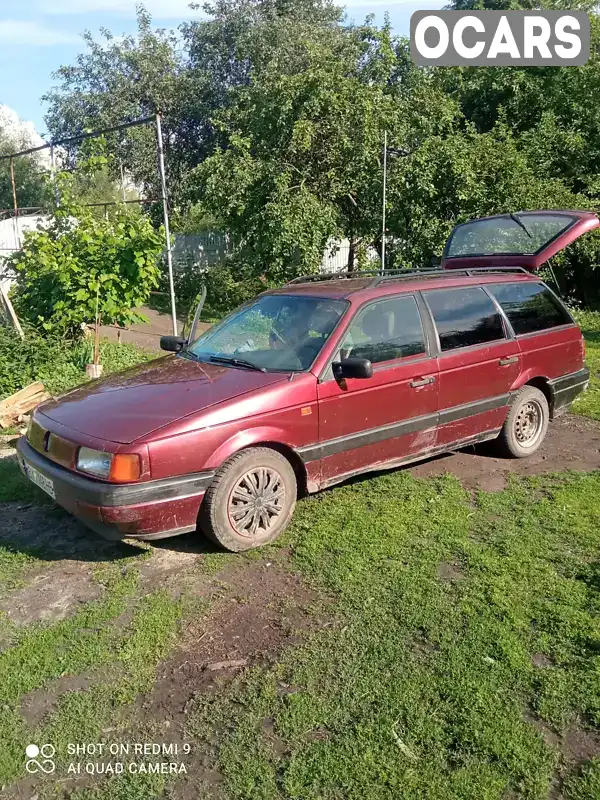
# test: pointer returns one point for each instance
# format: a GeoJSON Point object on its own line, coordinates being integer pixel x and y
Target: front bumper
{"type": "Point", "coordinates": [145, 510]}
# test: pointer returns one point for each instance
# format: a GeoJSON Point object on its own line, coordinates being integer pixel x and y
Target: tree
{"type": "Point", "coordinates": [81, 263]}
{"type": "Point", "coordinates": [119, 80]}
{"type": "Point", "coordinates": [275, 112]}
{"type": "Point", "coordinates": [30, 172]}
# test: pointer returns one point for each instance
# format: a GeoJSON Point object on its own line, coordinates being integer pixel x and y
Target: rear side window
{"type": "Point", "coordinates": [530, 307]}
{"type": "Point", "coordinates": [464, 317]}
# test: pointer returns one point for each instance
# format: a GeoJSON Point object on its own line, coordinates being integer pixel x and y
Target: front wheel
{"type": "Point", "coordinates": [526, 424]}
{"type": "Point", "coordinates": [250, 501]}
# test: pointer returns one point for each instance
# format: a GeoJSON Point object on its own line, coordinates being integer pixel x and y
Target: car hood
{"type": "Point", "coordinates": [131, 404]}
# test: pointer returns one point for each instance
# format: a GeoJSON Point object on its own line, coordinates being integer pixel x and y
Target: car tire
{"type": "Point", "coordinates": [250, 500]}
{"type": "Point", "coordinates": [526, 425]}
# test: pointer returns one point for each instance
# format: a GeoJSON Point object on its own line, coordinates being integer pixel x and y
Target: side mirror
{"type": "Point", "coordinates": [435, 262]}
{"type": "Point", "coordinates": [353, 368]}
{"type": "Point", "coordinates": [172, 344]}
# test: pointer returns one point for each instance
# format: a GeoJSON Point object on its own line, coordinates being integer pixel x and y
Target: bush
{"type": "Point", "coordinates": [228, 285]}
{"type": "Point", "coordinates": [81, 261]}
{"type": "Point", "coordinates": [58, 363]}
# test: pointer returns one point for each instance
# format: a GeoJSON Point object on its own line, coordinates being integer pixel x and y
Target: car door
{"type": "Point", "coordinates": [479, 361]}
{"type": "Point", "coordinates": [392, 416]}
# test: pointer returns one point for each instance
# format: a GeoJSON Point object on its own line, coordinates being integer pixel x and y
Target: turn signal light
{"type": "Point", "coordinates": [125, 467]}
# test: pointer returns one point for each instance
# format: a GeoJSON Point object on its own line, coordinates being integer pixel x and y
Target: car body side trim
{"type": "Point", "coordinates": [405, 460]}
{"type": "Point", "coordinates": [394, 430]}
{"type": "Point", "coordinates": [570, 381]}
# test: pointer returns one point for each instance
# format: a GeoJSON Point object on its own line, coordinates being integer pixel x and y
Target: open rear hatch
{"type": "Point", "coordinates": [525, 239]}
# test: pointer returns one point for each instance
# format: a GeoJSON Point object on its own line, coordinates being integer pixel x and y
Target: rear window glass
{"type": "Point", "coordinates": [530, 307]}
{"type": "Point", "coordinates": [526, 234]}
{"type": "Point", "coordinates": [464, 317]}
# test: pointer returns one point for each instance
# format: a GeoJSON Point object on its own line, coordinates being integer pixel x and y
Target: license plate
{"type": "Point", "coordinates": [40, 480]}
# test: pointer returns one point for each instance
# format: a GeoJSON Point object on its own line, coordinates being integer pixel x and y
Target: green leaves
{"type": "Point", "coordinates": [80, 262]}
{"type": "Point", "coordinates": [278, 112]}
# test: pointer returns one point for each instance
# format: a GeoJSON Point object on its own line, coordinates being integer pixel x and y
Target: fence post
{"type": "Point", "coordinates": [163, 187]}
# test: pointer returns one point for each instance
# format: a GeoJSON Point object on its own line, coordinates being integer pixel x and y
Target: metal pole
{"type": "Point", "coordinates": [163, 186]}
{"type": "Point", "coordinates": [53, 175]}
{"type": "Point", "coordinates": [14, 187]}
{"type": "Point", "coordinates": [383, 201]}
{"type": "Point", "coordinates": [122, 181]}
{"type": "Point", "coordinates": [15, 206]}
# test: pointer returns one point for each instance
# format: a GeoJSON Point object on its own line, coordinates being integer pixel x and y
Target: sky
{"type": "Point", "coordinates": [38, 36]}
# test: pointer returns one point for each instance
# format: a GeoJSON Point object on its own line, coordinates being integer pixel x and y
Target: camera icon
{"type": "Point", "coordinates": [45, 764]}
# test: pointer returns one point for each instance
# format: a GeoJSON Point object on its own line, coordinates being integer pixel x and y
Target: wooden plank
{"type": "Point", "coordinates": [12, 316]}
{"type": "Point", "coordinates": [21, 396]}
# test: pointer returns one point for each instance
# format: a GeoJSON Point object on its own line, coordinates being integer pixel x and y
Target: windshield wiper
{"type": "Point", "coordinates": [236, 362]}
{"type": "Point", "coordinates": [520, 223]}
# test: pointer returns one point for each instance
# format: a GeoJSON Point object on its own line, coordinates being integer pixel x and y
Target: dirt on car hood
{"type": "Point", "coordinates": [129, 405]}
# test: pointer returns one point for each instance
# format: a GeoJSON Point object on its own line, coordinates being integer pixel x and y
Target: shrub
{"type": "Point", "coordinates": [227, 286]}
{"type": "Point", "coordinates": [81, 261]}
{"type": "Point", "coordinates": [58, 363]}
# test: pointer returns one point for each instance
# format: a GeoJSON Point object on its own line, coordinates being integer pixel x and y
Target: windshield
{"type": "Point", "coordinates": [282, 333]}
{"type": "Point", "coordinates": [521, 234]}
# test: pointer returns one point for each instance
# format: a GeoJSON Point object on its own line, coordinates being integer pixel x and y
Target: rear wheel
{"type": "Point", "coordinates": [526, 424]}
{"type": "Point", "coordinates": [250, 501]}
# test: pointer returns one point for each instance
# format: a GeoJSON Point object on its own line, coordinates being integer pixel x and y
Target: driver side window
{"type": "Point", "coordinates": [385, 331]}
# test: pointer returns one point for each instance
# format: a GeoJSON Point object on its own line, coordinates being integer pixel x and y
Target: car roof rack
{"type": "Point", "coordinates": [379, 276]}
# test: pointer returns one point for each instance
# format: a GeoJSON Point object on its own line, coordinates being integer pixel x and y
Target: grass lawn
{"type": "Point", "coordinates": [589, 403]}
{"type": "Point", "coordinates": [466, 648]}
{"type": "Point", "coordinates": [460, 660]}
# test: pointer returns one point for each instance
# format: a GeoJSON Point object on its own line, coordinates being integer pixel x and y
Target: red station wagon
{"type": "Point", "coordinates": [317, 381]}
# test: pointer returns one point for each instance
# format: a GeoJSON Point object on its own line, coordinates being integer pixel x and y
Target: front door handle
{"type": "Point", "coordinates": [423, 381]}
{"type": "Point", "coordinates": [504, 362]}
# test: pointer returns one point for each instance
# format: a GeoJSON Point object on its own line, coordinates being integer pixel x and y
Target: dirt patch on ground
{"type": "Point", "coordinates": [262, 608]}
{"type": "Point", "coordinates": [258, 608]}
{"type": "Point", "coordinates": [52, 595]}
{"type": "Point", "coordinates": [580, 744]}
{"type": "Point", "coordinates": [450, 572]}
{"type": "Point", "coordinates": [37, 704]}
{"type": "Point", "coordinates": [541, 661]}
{"type": "Point", "coordinates": [572, 443]}
{"type": "Point", "coordinates": [71, 553]}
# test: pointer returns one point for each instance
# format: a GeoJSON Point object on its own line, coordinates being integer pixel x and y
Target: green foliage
{"type": "Point", "coordinates": [30, 174]}
{"type": "Point", "coordinates": [279, 110]}
{"type": "Point", "coordinates": [58, 363]}
{"type": "Point", "coordinates": [81, 261]}
{"type": "Point", "coordinates": [589, 402]}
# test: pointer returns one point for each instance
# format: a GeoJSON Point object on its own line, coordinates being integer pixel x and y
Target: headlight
{"type": "Point", "coordinates": [114, 467]}
{"type": "Point", "coordinates": [94, 461]}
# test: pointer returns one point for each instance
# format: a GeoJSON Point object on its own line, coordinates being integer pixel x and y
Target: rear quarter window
{"type": "Point", "coordinates": [530, 307]}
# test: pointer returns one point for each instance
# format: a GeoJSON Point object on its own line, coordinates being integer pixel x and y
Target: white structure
{"type": "Point", "coordinates": [335, 257]}
{"type": "Point", "coordinates": [210, 248]}
{"type": "Point", "coordinates": [11, 238]}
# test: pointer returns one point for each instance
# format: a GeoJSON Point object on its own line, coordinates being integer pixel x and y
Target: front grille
{"type": "Point", "coordinates": [37, 437]}
{"type": "Point", "coordinates": [52, 446]}
{"type": "Point", "coordinates": [61, 450]}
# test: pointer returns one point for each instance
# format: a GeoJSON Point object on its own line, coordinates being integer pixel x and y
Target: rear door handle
{"type": "Point", "coordinates": [504, 362]}
{"type": "Point", "coordinates": [423, 381]}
